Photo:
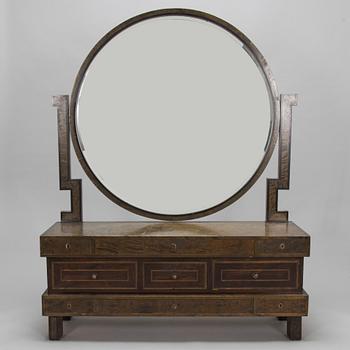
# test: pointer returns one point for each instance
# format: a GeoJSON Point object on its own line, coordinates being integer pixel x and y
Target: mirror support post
{"type": "Point", "coordinates": [66, 183]}
{"type": "Point", "coordinates": [284, 147]}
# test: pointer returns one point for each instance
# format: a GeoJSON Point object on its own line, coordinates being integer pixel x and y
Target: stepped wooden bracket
{"type": "Point", "coordinates": [284, 147]}
{"type": "Point", "coordinates": [66, 183]}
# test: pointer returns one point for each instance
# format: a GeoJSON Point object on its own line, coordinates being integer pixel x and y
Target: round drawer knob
{"type": "Point", "coordinates": [69, 306]}
{"type": "Point", "coordinates": [174, 276]}
{"type": "Point", "coordinates": [282, 246]}
{"type": "Point", "coordinates": [94, 276]}
{"type": "Point", "coordinates": [173, 246]}
{"type": "Point", "coordinates": [255, 275]}
{"type": "Point", "coordinates": [67, 245]}
{"type": "Point", "coordinates": [280, 305]}
{"type": "Point", "coordinates": [174, 306]}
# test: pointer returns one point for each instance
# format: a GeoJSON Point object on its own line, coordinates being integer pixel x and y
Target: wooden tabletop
{"type": "Point", "coordinates": [178, 229]}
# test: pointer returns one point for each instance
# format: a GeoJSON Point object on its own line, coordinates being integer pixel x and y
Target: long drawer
{"type": "Point", "coordinates": [147, 305]}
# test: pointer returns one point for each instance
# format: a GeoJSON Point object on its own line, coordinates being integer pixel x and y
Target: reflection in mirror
{"type": "Point", "coordinates": [173, 115]}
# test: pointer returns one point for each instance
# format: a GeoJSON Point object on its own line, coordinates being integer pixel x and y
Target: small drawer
{"type": "Point", "coordinates": [165, 275]}
{"type": "Point", "coordinates": [69, 306]}
{"type": "Point", "coordinates": [278, 247]}
{"type": "Point", "coordinates": [257, 275]}
{"type": "Point", "coordinates": [68, 276]}
{"type": "Point", "coordinates": [289, 305]}
{"type": "Point", "coordinates": [65, 246]}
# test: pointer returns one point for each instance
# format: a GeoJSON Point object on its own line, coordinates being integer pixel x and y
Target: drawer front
{"type": "Point", "coordinates": [280, 247]}
{"type": "Point", "coordinates": [167, 275]}
{"type": "Point", "coordinates": [68, 276]}
{"type": "Point", "coordinates": [54, 305]}
{"type": "Point", "coordinates": [174, 247]}
{"type": "Point", "coordinates": [257, 276]}
{"type": "Point", "coordinates": [179, 306]}
{"type": "Point", "coordinates": [68, 306]}
{"type": "Point", "coordinates": [65, 246]}
{"type": "Point", "coordinates": [288, 305]}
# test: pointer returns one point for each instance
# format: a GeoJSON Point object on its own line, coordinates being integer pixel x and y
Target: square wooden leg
{"type": "Point", "coordinates": [55, 327]}
{"type": "Point", "coordinates": [294, 328]}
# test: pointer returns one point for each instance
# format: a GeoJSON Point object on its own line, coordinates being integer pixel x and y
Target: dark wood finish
{"type": "Point", "coordinates": [282, 183]}
{"type": "Point", "coordinates": [214, 263]}
{"type": "Point", "coordinates": [155, 239]}
{"type": "Point", "coordinates": [185, 275]}
{"type": "Point", "coordinates": [217, 258]}
{"type": "Point", "coordinates": [253, 53]}
{"type": "Point", "coordinates": [57, 306]}
{"type": "Point", "coordinates": [172, 305]}
{"type": "Point", "coordinates": [280, 305]}
{"type": "Point", "coordinates": [203, 229]}
{"type": "Point", "coordinates": [173, 246]}
{"type": "Point", "coordinates": [175, 275]}
{"type": "Point", "coordinates": [283, 247]}
{"type": "Point", "coordinates": [87, 276]}
{"type": "Point", "coordinates": [66, 246]}
{"type": "Point", "coordinates": [294, 328]}
{"type": "Point", "coordinates": [257, 275]}
{"type": "Point", "coordinates": [55, 327]}
{"type": "Point", "coordinates": [66, 183]}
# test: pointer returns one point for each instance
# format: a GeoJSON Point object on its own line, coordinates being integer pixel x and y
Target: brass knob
{"type": "Point", "coordinates": [282, 246]}
{"type": "Point", "coordinates": [255, 275]}
{"type": "Point", "coordinates": [69, 306]}
{"type": "Point", "coordinates": [67, 245]}
{"type": "Point", "coordinates": [174, 276]}
{"type": "Point", "coordinates": [173, 246]}
{"type": "Point", "coordinates": [94, 276]}
{"type": "Point", "coordinates": [174, 306]}
{"type": "Point", "coordinates": [280, 305]}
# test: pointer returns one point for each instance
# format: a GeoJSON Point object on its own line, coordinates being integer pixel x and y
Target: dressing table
{"type": "Point", "coordinates": [174, 115]}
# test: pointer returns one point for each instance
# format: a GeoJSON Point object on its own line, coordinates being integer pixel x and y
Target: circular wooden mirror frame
{"type": "Point", "coordinates": [250, 49]}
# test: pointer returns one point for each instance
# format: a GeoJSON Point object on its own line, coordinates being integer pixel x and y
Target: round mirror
{"type": "Point", "coordinates": [173, 114]}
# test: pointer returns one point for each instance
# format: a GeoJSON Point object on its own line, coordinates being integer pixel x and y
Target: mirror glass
{"type": "Point", "coordinates": [173, 115]}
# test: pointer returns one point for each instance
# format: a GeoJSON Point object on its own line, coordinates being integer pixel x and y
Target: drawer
{"type": "Point", "coordinates": [293, 247]}
{"type": "Point", "coordinates": [257, 275]}
{"type": "Point", "coordinates": [65, 246]}
{"type": "Point", "coordinates": [67, 306]}
{"type": "Point", "coordinates": [174, 275]}
{"type": "Point", "coordinates": [147, 305]}
{"type": "Point", "coordinates": [173, 247]}
{"type": "Point", "coordinates": [80, 276]}
{"type": "Point", "coordinates": [288, 305]}
{"type": "Point", "coordinates": [179, 306]}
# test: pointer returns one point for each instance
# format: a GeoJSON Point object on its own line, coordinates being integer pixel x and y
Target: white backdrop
{"type": "Point", "coordinates": [43, 43]}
